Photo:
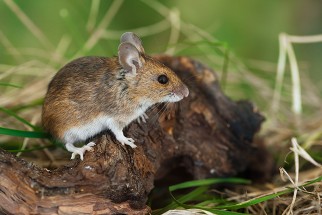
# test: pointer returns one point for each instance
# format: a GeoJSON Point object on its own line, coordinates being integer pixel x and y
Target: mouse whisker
{"type": "Point", "coordinates": [159, 112]}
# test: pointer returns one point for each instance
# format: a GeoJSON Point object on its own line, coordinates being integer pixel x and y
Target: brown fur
{"type": "Point", "coordinates": [92, 86]}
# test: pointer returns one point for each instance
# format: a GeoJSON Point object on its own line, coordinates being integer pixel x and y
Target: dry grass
{"type": "Point", "coordinates": [281, 125]}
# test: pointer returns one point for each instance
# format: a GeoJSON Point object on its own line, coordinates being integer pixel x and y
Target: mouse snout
{"type": "Point", "coordinates": [185, 91]}
{"type": "Point", "coordinates": [182, 91]}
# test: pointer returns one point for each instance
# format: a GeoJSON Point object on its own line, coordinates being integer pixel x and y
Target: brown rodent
{"type": "Point", "coordinates": [93, 94]}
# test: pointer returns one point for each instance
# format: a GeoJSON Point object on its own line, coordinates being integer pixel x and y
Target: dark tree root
{"type": "Point", "coordinates": [206, 133]}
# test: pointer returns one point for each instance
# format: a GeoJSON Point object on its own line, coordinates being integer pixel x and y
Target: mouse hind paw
{"type": "Point", "coordinates": [79, 150]}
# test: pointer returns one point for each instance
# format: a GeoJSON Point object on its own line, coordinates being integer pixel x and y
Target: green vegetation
{"type": "Point", "coordinates": [239, 41]}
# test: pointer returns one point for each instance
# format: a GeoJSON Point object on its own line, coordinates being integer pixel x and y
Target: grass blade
{"type": "Point", "coordinates": [193, 194]}
{"type": "Point", "coordinates": [35, 103]}
{"type": "Point", "coordinates": [219, 212]}
{"type": "Point", "coordinates": [30, 150]}
{"type": "Point", "coordinates": [266, 197]}
{"type": "Point", "coordinates": [318, 179]}
{"type": "Point", "coordinates": [11, 113]}
{"type": "Point", "coordinates": [204, 182]}
{"type": "Point", "coordinates": [203, 186]}
{"type": "Point", "coordinates": [198, 191]}
{"type": "Point", "coordinates": [28, 23]}
{"type": "Point", "coordinates": [254, 201]}
{"type": "Point", "coordinates": [9, 85]}
{"type": "Point", "coordinates": [209, 181]}
{"type": "Point", "coordinates": [20, 133]}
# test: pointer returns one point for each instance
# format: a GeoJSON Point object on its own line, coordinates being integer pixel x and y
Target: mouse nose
{"type": "Point", "coordinates": [185, 91]}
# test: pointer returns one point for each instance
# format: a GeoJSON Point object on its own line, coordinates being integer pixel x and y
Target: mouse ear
{"type": "Point", "coordinates": [129, 57]}
{"type": "Point", "coordinates": [132, 38]}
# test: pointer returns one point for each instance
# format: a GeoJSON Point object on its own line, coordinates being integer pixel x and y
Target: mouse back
{"type": "Point", "coordinates": [72, 95]}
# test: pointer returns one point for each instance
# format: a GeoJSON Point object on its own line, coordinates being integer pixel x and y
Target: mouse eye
{"type": "Point", "coordinates": [162, 79]}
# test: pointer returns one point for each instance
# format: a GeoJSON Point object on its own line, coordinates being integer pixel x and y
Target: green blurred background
{"type": "Point", "coordinates": [250, 29]}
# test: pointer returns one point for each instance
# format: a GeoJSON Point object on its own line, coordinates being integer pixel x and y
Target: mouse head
{"type": "Point", "coordinates": [152, 80]}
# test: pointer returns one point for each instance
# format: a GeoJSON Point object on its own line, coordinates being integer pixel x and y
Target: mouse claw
{"type": "Point", "coordinates": [131, 143]}
{"type": "Point", "coordinates": [73, 155]}
{"type": "Point", "coordinates": [89, 146]}
{"type": "Point", "coordinates": [127, 141]}
{"type": "Point", "coordinates": [143, 118]}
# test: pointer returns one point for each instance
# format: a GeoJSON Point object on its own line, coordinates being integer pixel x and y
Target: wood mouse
{"type": "Point", "coordinates": [93, 94]}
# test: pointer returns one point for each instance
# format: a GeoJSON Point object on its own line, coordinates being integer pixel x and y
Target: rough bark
{"type": "Point", "coordinates": [206, 133]}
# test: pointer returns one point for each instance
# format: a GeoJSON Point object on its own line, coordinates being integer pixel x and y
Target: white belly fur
{"type": "Point", "coordinates": [99, 124]}
{"type": "Point", "coordinates": [82, 133]}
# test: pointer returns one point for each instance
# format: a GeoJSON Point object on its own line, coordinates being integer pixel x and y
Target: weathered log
{"type": "Point", "coordinates": [206, 133]}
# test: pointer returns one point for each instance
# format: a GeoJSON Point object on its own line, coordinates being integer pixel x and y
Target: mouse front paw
{"type": "Point", "coordinates": [127, 141]}
{"type": "Point", "coordinates": [79, 151]}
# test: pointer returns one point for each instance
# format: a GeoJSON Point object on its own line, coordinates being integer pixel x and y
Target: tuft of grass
{"type": "Point", "coordinates": [211, 204]}
{"type": "Point", "coordinates": [286, 50]}
{"type": "Point", "coordinates": [202, 187]}
{"type": "Point", "coordinates": [223, 207]}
